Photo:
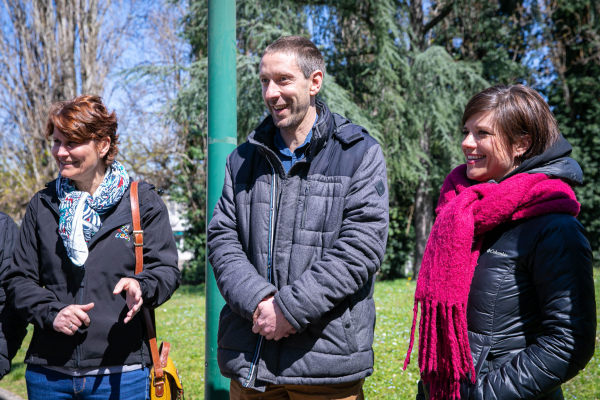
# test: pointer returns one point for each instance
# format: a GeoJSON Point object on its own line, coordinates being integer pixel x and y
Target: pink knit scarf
{"type": "Point", "coordinates": [464, 214]}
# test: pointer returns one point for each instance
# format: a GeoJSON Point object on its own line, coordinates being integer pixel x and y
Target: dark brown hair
{"type": "Point", "coordinates": [518, 110]}
{"type": "Point", "coordinates": [84, 118]}
{"type": "Point", "coordinates": [308, 57]}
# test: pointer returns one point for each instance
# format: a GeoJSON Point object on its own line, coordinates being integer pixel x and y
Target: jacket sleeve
{"type": "Point", "coordinates": [356, 254]}
{"type": "Point", "coordinates": [12, 327]}
{"type": "Point", "coordinates": [33, 302]}
{"type": "Point", "coordinates": [160, 276]}
{"type": "Point", "coordinates": [561, 269]}
{"type": "Point", "coordinates": [238, 280]}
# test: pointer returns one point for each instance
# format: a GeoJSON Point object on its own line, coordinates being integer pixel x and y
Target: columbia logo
{"type": "Point", "coordinates": [496, 252]}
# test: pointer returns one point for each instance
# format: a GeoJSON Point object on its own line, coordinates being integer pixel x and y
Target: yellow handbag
{"type": "Point", "coordinates": [164, 378]}
{"type": "Point", "coordinates": [171, 382]}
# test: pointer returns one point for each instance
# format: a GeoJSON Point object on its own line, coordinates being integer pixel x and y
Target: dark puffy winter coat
{"type": "Point", "coordinates": [42, 280]}
{"type": "Point", "coordinates": [328, 231]}
{"type": "Point", "coordinates": [531, 313]}
{"type": "Point", "coordinates": [13, 328]}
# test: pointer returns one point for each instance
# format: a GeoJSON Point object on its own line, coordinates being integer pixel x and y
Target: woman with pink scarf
{"type": "Point", "coordinates": [506, 290]}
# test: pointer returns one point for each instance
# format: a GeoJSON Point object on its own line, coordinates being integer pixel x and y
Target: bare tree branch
{"type": "Point", "coordinates": [438, 18]}
{"type": "Point", "coordinates": [49, 51]}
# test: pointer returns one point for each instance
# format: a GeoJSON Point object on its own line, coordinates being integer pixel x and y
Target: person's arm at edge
{"type": "Point", "coordinates": [238, 280]}
{"type": "Point", "coordinates": [13, 328]}
{"type": "Point", "coordinates": [38, 305]}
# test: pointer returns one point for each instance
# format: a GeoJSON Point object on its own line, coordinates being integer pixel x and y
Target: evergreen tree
{"type": "Point", "coordinates": [497, 35]}
{"type": "Point", "coordinates": [572, 34]}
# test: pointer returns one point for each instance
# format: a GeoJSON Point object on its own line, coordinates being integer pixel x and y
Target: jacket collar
{"type": "Point", "coordinates": [50, 196]}
{"type": "Point", "coordinates": [119, 215]}
{"type": "Point", "coordinates": [554, 162]}
{"type": "Point", "coordinates": [264, 135]}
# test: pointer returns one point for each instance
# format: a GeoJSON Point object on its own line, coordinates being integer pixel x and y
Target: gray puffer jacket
{"type": "Point", "coordinates": [315, 238]}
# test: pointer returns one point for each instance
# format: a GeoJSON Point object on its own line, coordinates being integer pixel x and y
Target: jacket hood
{"type": "Point", "coordinates": [554, 162]}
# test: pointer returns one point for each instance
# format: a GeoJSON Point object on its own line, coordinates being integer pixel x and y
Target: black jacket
{"type": "Point", "coordinates": [13, 328]}
{"type": "Point", "coordinates": [42, 280]}
{"type": "Point", "coordinates": [531, 312]}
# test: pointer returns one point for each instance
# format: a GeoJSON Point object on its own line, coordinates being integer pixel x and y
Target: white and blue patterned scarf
{"type": "Point", "coordinates": [80, 213]}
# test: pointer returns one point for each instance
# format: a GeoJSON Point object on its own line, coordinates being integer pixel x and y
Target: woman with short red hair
{"type": "Point", "coordinates": [73, 270]}
{"type": "Point", "coordinates": [506, 286]}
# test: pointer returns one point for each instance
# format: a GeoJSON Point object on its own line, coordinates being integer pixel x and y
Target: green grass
{"type": "Point", "coordinates": [181, 321]}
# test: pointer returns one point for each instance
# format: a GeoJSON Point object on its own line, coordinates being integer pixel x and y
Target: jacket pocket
{"type": "Point", "coordinates": [327, 335]}
{"type": "Point", "coordinates": [224, 320]}
{"type": "Point", "coordinates": [323, 206]}
{"type": "Point", "coordinates": [350, 330]}
{"type": "Point", "coordinates": [235, 332]}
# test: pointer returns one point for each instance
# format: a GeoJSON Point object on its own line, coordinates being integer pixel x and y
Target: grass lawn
{"type": "Point", "coordinates": [181, 321]}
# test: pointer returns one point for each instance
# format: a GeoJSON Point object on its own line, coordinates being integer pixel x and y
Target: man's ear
{"type": "Point", "coordinates": [316, 81]}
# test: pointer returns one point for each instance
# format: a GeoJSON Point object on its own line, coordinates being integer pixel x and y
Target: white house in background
{"type": "Point", "coordinates": [178, 226]}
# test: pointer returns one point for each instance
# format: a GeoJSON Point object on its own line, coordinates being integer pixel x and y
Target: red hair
{"type": "Point", "coordinates": [84, 118]}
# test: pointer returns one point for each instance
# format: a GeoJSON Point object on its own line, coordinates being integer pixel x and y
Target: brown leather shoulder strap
{"type": "Point", "coordinates": [138, 233]}
{"type": "Point", "coordinates": [138, 242]}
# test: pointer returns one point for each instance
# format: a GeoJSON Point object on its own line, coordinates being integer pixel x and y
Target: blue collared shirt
{"type": "Point", "coordinates": [287, 157]}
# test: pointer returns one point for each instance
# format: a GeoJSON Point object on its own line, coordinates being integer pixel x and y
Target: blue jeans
{"type": "Point", "coordinates": [44, 384]}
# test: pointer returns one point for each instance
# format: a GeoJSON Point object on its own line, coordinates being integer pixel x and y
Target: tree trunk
{"type": "Point", "coordinates": [416, 24]}
{"type": "Point", "coordinates": [423, 209]}
{"type": "Point", "coordinates": [423, 204]}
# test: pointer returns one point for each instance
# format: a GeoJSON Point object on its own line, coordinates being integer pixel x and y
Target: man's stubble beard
{"type": "Point", "coordinates": [296, 118]}
{"type": "Point", "coordinates": [291, 123]}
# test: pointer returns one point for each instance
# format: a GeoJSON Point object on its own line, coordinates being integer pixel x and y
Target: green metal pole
{"type": "Point", "coordinates": [222, 134]}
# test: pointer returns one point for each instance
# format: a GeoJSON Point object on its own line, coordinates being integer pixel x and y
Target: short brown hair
{"type": "Point", "coordinates": [518, 110]}
{"type": "Point", "coordinates": [84, 118]}
{"type": "Point", "coordinates": [308, 57]}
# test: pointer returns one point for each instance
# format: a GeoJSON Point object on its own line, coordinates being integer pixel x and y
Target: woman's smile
{"type": "Point", "coordinates": [80, 162]}
{"type": "Point", "coordinates": [472, 159]}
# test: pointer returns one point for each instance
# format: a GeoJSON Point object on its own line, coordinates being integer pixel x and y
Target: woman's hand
{"type": "Point", "coordinates": [133, 298]}
{"type": "Point", "coordinates": [70, 318]}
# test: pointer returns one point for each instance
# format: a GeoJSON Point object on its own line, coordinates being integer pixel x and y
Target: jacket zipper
{"type": "Point", "coordinates": [80, 302]}
{"type": "Point", "coordinates": [251, 379]}
{"type": "Point", "coordinates": [306, 195]}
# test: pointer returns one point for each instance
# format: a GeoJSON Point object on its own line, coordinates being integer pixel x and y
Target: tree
{"type": "Point", "coordinates": [497, 35]}
{"type": "Point", "coordinates": [572, 36]}
{"type": "Point", "coordinates": [491, 39]}
{"type": "Point", "coordinates": [49, 51]}
{"type": "Point", "coordinates": [147, 91]}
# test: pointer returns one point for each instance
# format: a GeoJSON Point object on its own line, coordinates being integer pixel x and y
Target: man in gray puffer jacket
{"type": "Point", "coordinates": [296, 239]}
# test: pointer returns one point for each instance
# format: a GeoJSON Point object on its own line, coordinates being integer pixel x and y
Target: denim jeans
{"type": "Point", "coordinates": [43, 383]}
